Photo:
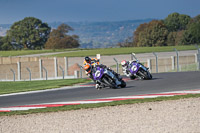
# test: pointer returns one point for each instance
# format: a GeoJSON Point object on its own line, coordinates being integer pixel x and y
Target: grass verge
{"type": "Point", "coordinates": [92, 52]}
{"type": "Point", "coordinates": [30, 52]}
{"type": "Point", "coordinates": [23, 86]}
{"type": "Point", "coordinates": [127, 50]}
{"type": "Point", "coordinates": [86, 106]}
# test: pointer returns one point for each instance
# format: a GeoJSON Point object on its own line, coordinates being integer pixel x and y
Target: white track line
{"type": "Point", "coordinates": [110, 99]}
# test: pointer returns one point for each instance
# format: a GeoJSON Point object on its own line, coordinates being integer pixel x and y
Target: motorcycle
{"type": "Point", "coordinates": [107, 78]}
{"type": "Point", "coordinates": [138, 70]}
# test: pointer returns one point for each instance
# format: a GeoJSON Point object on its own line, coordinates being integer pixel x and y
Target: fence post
{"type": "Point", "coordinates": [56, 67]}
{"type": "Point", "coordinates": [46, 72]}
{"type": "Point", "coordinates": [156, 61]}
{"type": "Point", "coordinates": [76, 73]}
{"type": "Point", "coordinates": [40, 67]}
{"type": "Point", "coordinates": [29, 73]}
{"type": "Point", "coordinates": [63, 72]}
{"type": "Point", "coordinates": [149, 64]}
{"type": "Point", "coordinates": [81, 71]}
{"type": "Point", "coordinates": [66, 65]}
{"type": "Point", "coordinates": [13, 74]}
{"type": "Point", "coordinates": [198, 55]}
{"type": "Point", "coordinates": [173, 62]}
{"type": "Point", "coordinates": [177, 56]}
{"type": "Point", "coordinates": [117, 65]}
{"type": "Point", "coordinates": [19, 70]}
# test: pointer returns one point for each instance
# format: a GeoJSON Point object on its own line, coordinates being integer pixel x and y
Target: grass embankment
{"type": "Point", "coordinates": [103, 51]}
{"type": "Point", "coordinates": [127, 50]}
{"type": "Point", "coordinates": [86, 106]}
{"type": "Point", "coordinates": [30, 52]}
{"type": "Point", "coordinates": [23, 86]}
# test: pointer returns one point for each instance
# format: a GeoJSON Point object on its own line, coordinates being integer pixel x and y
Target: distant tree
{"type": "Point", "coordinates": [127, 43]}
{"type": "Point", "coordinates": [138, 32]}
{"type": "Point", "coordinates": [175, 38]}
{"type": "Point", "coordinates": [184, 21]}
{"type": "Point", "coordinates": [171, 38]}
{"type": "Point", "coordinates": [4, 43]}
{"type": "Point", "coordinates": [192, 34]}
{"type": "Point", "coordinates": [1, 42]}
{"type": "Point", "coordinates": [28, 33]}
{"type": "Point", "coordinates": [59, 39]}
{"type": "Point", "coordinates": [152, 34]}
{"type": "Point", "coordinates": [176, 22]}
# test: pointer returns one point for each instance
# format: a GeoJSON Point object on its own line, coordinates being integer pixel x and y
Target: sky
{"type": "Point", "coordinates": [94, 10]}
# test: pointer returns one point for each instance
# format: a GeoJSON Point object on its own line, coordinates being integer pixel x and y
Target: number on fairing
{"type": "Point", "coordinates": [97, 73]}
{"type": "Point", "coordinates": [134, 68]}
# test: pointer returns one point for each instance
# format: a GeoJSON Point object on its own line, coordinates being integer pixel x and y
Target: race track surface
{"type": "Point", "coordinates": [161, 82]}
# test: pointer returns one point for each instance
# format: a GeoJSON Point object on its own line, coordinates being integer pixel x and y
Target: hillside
{"type": "Point", "coordinates": [96, 34]}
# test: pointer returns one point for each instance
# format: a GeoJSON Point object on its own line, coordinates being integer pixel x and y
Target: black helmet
{"type": "Point", "coordinates": [87, 59]}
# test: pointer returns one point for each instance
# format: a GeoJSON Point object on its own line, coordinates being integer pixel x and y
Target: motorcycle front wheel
{"type": "Point", "coordinates": [145, 74]}
{"type": "Point", "coordinates": [109, 81]}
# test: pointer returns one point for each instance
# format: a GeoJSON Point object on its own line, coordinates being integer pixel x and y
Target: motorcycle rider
{"type": "Point", "coordinates": [95, 61]}
{"type": "Point", "coordinates": [89, 64]}
{"type": "Point", "coordinates": [125, 67]}
{"type": "Point", "coordinates": [91, 61]}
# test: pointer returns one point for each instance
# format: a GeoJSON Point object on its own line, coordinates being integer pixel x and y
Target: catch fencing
{"type": "Point", "coordinates": [46, 68]}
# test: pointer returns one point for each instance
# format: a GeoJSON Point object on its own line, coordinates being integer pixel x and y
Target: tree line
{"type": "Point", "coordinates": [175, 29]}
{"type": "Point", "coordinates": [32, 33]}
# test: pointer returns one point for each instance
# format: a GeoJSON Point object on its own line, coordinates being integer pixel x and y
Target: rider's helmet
{"type": "Point", "coordinates": [87, 68]}
{"type": "Point", "coordinates": [87, 59]}
{"type": "Point", "coordinates": [124, 63]}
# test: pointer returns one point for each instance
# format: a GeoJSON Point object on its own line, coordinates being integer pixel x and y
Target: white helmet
{"type": "Point", "coordinates": [124, 63]}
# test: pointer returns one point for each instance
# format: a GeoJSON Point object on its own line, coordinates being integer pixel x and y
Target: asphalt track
{"type": "Point", "coordinates": [161, 82]}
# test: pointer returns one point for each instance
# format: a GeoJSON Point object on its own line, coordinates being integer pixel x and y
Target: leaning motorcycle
{"type": "Point", "coordinates": [138, 70]}
{"type": "Point", "coordinates": [107, 78]}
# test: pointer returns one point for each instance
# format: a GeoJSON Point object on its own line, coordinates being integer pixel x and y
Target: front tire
{"type": "Point", "coordinates": [123, 84]}
{"type": "Point", "coordinates": [146, 75]}
{"type": "Point", "coordinates": [109, 81]}
{"type": "Point", "coordinates": [132, 77]}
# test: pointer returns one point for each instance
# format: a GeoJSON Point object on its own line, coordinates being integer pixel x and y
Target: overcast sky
{"type": "Point", "coordinates": [94, 10]}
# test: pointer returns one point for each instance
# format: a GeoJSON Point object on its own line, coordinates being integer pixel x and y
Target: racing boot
{"type": "Point", "coordinates": [97, 86]}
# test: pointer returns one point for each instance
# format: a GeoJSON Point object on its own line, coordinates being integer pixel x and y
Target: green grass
{"type": "Point", "coordinates": [92, 52]}
{"type": "Point", "coordinates": [86, 106]}
{"type": "Point", "coordinates": [23, 86]}
{"type": "Point", "coordinates": [127, 50]}
{"type": "Point", "coordinates": [29, 52]}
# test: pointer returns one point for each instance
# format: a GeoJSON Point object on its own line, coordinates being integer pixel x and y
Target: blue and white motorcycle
{"type": "Point", "coordinates": [137, 70]}
{"type": "Point", "coordinates": [134, 69]}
